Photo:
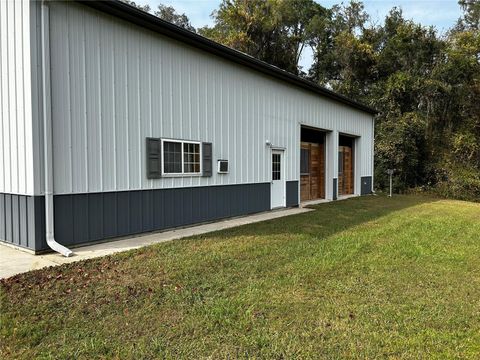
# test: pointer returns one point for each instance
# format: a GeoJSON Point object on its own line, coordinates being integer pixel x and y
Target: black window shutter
{"type": "Point", "coordinates": [207, 159]}
{"type": "Point", "coordinates": [154, 158]}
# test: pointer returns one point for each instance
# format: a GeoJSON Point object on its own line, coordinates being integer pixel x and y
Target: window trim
{"type": "Point", "coordinates": [182, 142]}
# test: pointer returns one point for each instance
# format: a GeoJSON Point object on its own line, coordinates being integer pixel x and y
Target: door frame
{"type": "Point", "coordinates": [282, 152]}
{"type": "Point", "coordinates": [328, 162]}
{"type": "Point", "coordinates": [322, 170]}
{"type": "Point", "coordinates": [355, 164]}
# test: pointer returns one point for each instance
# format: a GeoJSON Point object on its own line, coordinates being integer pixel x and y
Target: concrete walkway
{"type": "Point", "coordinates": [14, 261]}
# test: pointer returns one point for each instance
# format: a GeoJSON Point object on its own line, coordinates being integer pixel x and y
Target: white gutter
{"type": "Point", "coordinates": [47, 137]}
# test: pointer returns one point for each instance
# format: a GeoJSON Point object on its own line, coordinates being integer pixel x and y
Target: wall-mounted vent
{"type": "Point", "coordinates": [222, 166]}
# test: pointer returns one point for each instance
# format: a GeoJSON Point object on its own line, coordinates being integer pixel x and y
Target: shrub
{"type": "Point", "coordinates": [459, 182]}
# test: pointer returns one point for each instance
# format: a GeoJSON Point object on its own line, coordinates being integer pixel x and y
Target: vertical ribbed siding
{"type": "Point", "coordinates": [16, 135]}
{"type": "Point", "coordinates": [116, 84]}
{"type": "Point", "coordinates": [22, 220]}
{"type": "Point", "coordinates": [81, 218]}
{"type": "Point", "coordinates": [292, 191]}
{"type": "Point", "coordinates": [36, 88]}
{"type": "Point", "coordinates": [366, 185]}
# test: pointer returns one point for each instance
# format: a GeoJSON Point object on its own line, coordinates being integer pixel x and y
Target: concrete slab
{"type": "Point", "coordinates": [314, 202]}
{"type": "Point", "coordinates": [322, 201]}
{"type": "Point", "coordinates": [345, 197]}
{"type": "Point", "coordinates": [15, 261]}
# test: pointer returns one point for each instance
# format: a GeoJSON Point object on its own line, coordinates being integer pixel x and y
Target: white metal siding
{"type": "Point", "coordinates": [114, 84]}
{"type": "Point", "coordinates": [37, 96]}
{"type": "Point", "coordinates": [16, 143]}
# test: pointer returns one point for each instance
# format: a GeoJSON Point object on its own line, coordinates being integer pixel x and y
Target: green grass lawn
{"type": "Point", "coordinates": [363, 278]}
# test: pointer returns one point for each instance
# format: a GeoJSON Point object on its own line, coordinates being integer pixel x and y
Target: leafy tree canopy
{"type": "Point", "coordinates": [169, 14]}
{"type": "Point", "coordinates": [275, 31]}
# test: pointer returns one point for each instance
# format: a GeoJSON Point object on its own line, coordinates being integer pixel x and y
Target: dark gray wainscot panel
{"type": "Point", "coordinates": [366, 185]}
{"type": "Point", "coordinates": [81, 218]}
{"type": "Point", "coordinates": [22, 220]}
{"type": "Point", "coordinates": [335, 189]}
{"type": "Point", "coordinates": [292, 193]}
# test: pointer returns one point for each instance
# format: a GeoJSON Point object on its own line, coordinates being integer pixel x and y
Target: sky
{"type": "Point", "coordinates": [440, 13]}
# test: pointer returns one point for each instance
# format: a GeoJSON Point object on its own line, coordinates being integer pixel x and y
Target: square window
{"type": "Point", "coordinates": [181, 157]}
{"type": "Point", "coordinates": [276, 173]}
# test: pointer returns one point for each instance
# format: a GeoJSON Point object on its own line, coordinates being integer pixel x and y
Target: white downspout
{"type": "Point", "coordinates": [47, 137]}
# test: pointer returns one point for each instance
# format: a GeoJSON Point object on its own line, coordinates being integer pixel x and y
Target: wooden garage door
{"type": "Point", "coordinates": [312, 171]}
{"type": "Point", "coordinates": [345, 170]}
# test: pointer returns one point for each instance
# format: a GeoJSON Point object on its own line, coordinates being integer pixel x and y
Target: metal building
{"type": "Point", "coordinates": [114, 122]}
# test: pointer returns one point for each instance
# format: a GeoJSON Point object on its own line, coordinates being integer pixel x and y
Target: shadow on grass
{"type": "Point", "coordinates": [329, 218]}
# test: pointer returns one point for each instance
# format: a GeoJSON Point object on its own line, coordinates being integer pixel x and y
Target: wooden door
{"type": "Point", "coordinates": [345, 170]}
{"type": "Point", "coordinates": [305, 171]}
{"type": "Point", "coordinates": [312, 172]}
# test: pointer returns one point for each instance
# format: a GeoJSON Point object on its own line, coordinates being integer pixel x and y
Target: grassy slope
{"type": "Point", "coordinates": [366, 277]}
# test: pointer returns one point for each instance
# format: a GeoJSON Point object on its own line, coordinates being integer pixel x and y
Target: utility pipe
{"type": "Point", "coordinates": [390, 185]}
{"type": "Point", "coordinates": [47, 138]}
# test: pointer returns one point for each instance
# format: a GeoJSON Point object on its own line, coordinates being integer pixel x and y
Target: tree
{"type": "Point", "coordinates": [275, 31]}
{"type": "Point", "coordinates": [168, 13]}
{"type": "Point", "coordinates": [400, 144]}
{"type": "Point", "coordinates": [343, 60]}
{"type": "Point", "coordinates": [457, 109]}
{"type": "Point", "coordinates": [299, 21]}
{"type": "Point", "coordinates": [471, 15]}
{"type": "Point", "coordinates": [145, 8]}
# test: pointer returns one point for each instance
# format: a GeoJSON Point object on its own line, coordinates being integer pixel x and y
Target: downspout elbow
{"type": "Point", "coordinates": [55, 246]}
